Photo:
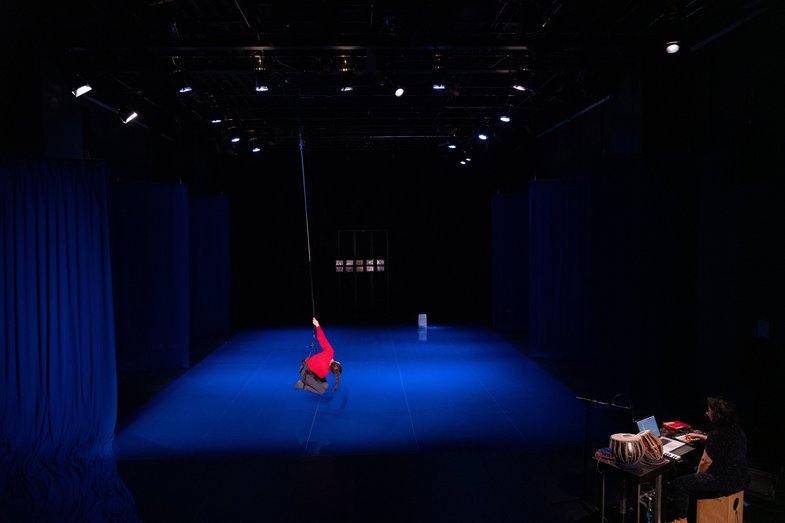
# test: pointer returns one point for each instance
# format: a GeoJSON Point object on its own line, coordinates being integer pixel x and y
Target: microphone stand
{"type": "Point", "coordinates": [588, 402]}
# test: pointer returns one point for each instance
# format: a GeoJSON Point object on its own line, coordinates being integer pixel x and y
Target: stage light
{"type": "Point", "coordinates": [521, 79]}
{"type": "Point", "coordinates": [452, 146]}
{"type": "Point", "coordinates": [484, 131]}
{"type": "Point", "coordinates": [181, 82]}
{"type": "Point", "coordinates": [215, 114]}
{"type": "Point", "coordinates": [261, 82]}
{"type": "Point", "coordinates": [505, 118]}
{"type": "Point", "coordinates": [672, 27]}
{"type": "Point", "coordinates": [81, 89]}
{"type": "Point", "coordinates": [256, 149]}
{"type": "Point", "coordinates": [128, 115]}
{"type": "Point", "coordinates": [389, 79]}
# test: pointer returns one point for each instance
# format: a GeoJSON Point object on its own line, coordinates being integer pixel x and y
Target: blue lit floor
{"type": "Point", "coordinates": [448, 424]}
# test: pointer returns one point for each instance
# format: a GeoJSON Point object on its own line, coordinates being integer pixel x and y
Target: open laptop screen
{"type": "Point", "coordinates": [650, 423]}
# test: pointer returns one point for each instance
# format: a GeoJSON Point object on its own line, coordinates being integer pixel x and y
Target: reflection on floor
{"type": "Point", "coordinates": [444, 424]}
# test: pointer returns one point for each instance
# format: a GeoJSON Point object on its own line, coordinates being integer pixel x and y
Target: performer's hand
{"type": "Point", "coordinates": [315, 322]}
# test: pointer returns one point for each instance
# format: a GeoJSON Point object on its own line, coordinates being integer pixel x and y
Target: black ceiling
{"type": "Point", "coordinates": [573, 52]}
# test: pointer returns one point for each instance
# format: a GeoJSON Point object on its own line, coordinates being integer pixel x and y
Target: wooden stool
{"type": "Point", "coordinates": [727, 509]}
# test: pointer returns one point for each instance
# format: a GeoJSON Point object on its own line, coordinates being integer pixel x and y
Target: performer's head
{"type": "Point", "coordinates": [721, 411]}
{"type": "Point", "coordinates": [336, 368]}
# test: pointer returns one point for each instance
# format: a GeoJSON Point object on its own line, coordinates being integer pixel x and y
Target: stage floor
{"type": "Point", "coordinates": [448, 423]}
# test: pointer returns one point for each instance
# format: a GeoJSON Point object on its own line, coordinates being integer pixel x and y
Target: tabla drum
{"type": "Point", "coordinates": [627, 449]}
{"type": "Point", "coordinates": [652, 447]}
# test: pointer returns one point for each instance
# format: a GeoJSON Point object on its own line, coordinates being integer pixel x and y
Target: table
{"type": "Point", "coordinates": [641, 473]}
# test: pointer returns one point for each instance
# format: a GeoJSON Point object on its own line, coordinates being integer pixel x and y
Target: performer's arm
{"type": "Point", "coordinates": [323, 343]}
{"type": "Point", "coordinates": [704, 463]}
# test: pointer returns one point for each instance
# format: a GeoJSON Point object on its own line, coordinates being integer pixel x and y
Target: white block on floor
{"type": "Point", "coordinates": [422, 321]}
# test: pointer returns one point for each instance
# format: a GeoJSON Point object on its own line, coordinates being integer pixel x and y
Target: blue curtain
{"type": "Point", "coordinates": [58, 393]}
{"type": "Point", "coordinates": [559, 269]}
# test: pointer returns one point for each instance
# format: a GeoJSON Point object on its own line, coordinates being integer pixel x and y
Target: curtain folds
{"type": "Point", "coordinates": [58, 394]}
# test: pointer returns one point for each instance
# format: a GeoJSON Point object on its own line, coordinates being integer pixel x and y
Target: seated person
{"type": "Point", "coordinates": [314, 369]}
{"type": "Point", "coordinates": [722, 469]}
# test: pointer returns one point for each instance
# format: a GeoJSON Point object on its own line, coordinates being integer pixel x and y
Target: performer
{"type": "Point", "coordinates": [723, 468]}
{"type": "Point", "coordinates": [314, 369]}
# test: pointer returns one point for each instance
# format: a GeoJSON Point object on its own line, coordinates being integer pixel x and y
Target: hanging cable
{"type": "Point", "coordinates": [308, 238]}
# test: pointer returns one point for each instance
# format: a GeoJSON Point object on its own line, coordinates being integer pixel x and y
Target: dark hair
{"type": "Point", "coordinates": [336, 368]}
{"type": "Point", "coordinates": [723, 411]}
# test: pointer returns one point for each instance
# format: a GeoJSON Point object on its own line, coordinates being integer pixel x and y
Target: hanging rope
{"type": "Point", "coordinates": [308, 238]}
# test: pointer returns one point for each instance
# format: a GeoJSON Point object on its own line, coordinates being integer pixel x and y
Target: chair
{"type": "Point", "coordinates": [725, 509]}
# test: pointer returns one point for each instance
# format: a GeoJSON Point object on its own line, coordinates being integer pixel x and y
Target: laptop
{"type": "Point", "coordinates": [650, 423]}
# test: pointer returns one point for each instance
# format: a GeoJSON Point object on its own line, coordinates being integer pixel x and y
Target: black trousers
{"type": "Point", "coordinates": [312, 382]}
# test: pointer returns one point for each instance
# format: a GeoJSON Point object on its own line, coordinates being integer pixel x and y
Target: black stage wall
{"type": "Point", "coordinates": [686, 265]}
{"type": "Point", "coordinates": [437, 223]}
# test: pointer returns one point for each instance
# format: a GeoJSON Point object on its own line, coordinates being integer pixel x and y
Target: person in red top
{"type": "Point", "coordinates": [314, 369]}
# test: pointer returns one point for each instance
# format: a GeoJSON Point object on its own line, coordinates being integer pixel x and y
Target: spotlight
{"type": "Point", "coordinates": [181, 82]}
{"type": "Point", "coordinates": [128, 115]}
{"type": "Point", "coordinates": [452, 146]}
{"type": "Point", "coordinates": [261, 82]}
{"type": "Point", "coordinates": [254, 146]}
{"type": "Point", "coordinates": [505, 118]}
{"type": "Point", "coordinates": [521, 79]}
{"type": "Point", "coordinates": [81, 88]}
{"type": "Point", "coordinates": [484, 131]}
{"type": "Point", "coordinates": [390, 79]}
{"type": "Point", "coordinates": [672, 47]}
{"type": "Point", "coordinates": [215, 114]}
